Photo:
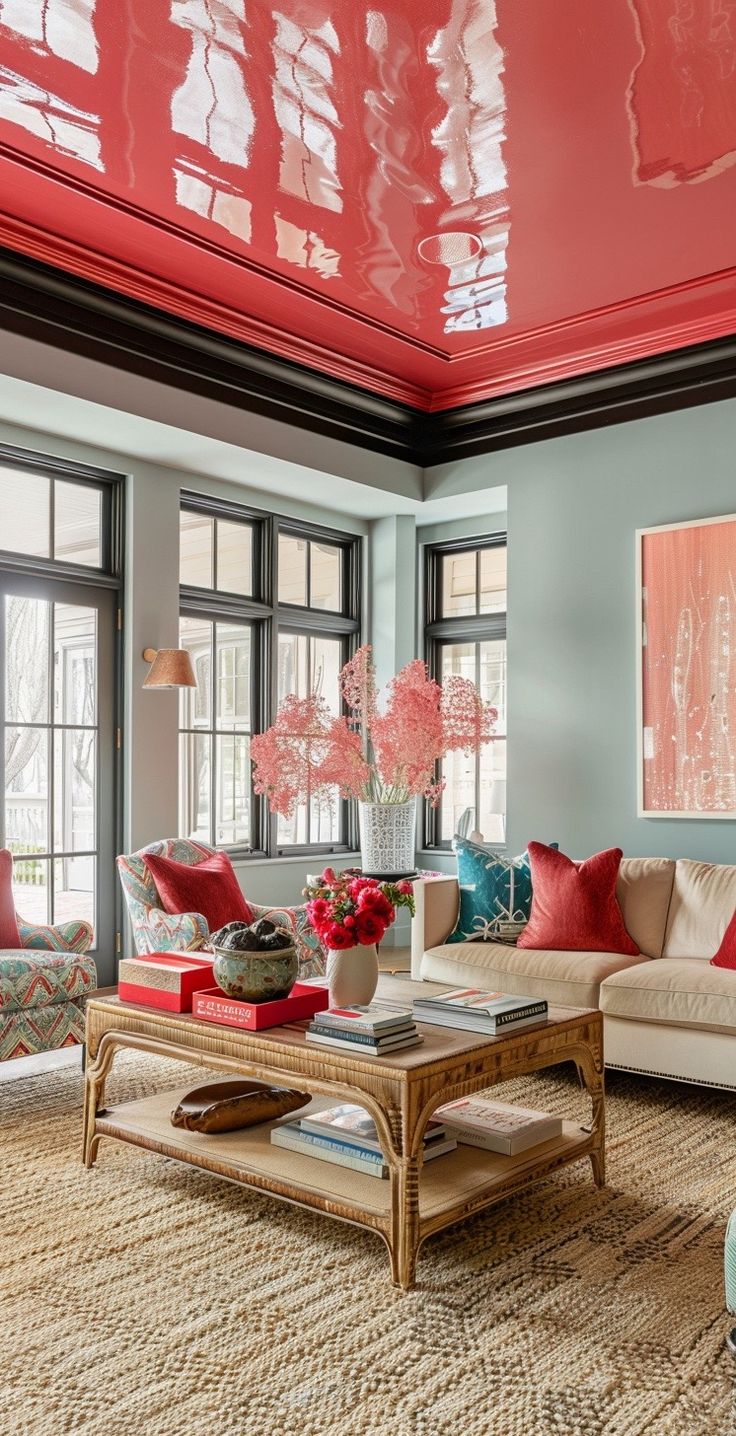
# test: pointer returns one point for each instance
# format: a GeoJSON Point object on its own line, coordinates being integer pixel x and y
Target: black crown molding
{"type": "Point", "coordinates": [58, 309]}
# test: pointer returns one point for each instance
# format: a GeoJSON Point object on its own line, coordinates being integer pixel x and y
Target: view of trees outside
{"type": "Point", "coordinates": [50, 756]}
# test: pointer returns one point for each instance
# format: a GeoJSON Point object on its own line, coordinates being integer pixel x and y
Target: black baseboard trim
{"type": "Point", "coordinates": [55, 308]}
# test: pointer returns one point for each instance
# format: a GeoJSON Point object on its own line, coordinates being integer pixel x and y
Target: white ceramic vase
{"type": "Point", "coordinates": [387, 838]}
{"type": "Point", "coordinates": [352, 975]}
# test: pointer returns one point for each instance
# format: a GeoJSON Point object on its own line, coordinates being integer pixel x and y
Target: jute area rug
{"type": "Point", "coordinates": [146, 1299]}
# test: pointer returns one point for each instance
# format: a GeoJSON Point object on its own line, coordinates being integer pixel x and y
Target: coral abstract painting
{"type": "Point", "coordinates": [687, 595]}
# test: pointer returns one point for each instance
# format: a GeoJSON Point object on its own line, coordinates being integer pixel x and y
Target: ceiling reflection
{"type": "Point", "coordinates": [683, 91]}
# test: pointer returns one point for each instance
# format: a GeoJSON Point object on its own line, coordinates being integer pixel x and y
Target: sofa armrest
{"type": "Point", "coordinates": [171, 932]}
{"type": "Point", "coordinates": [61, 937]}
{"type": "Point", "coordinates": [437, 901]}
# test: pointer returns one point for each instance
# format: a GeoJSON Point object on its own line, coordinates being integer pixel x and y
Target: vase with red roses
{"type": "Point", "coordinates": [350, 916]}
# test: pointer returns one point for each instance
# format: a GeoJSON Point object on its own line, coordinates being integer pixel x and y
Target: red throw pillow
{"type": "Point", "coordinates": [209, 887]}
{"type": "Point", "coordinates": [726, 954]}
{"type": "Point", "coordinates": [574, 905]}
{"type": "Point", "coordinates": [9, 934]}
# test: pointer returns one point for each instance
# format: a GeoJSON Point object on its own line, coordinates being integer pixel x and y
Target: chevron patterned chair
{"type": "Point", "coordinates": [155, 930]}
{"type": "Point", "coordinates": [44, 985]}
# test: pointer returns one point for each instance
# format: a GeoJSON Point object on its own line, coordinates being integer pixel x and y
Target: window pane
{"type": "Point", "coordinates": [78, 524]}
{"type": "Point", "coordinates": [24, 512]}
{"type": "Point", "coordinates": [326, 662]}
{"type": "Point", "coordinates": [234, 557]}
{"type": "Point", "coordinates": [75, 666]}
{"type": "Point", "coordinates": [233, 676]}
{"type": "Point", "coordinates": [292, 569]}
{"type": "Point", "coordinates": [233, 790]}
{"type": "Point", "coordinates": [493, 580]}
{"type": "Point", "coordinates": [31, 889]}
{"type": "Point", "coordinates": [26, 660]}
{"type": "Point", "coordinates": [492, 775]}
{"type": "Point", "coordinates": [459, 584]}
{"type": "Point", "coordinates": [311, 663]}
{"type": "Point", "coordinates": [196, 549]}
{"type": "Point", "coordinates": [458, 770]}
{"type": "Point", "coordinates": [195, 704]}
{"type": "Point", "coordinates": [194, 786]}
{"type": "Point", "coordinates": [478, 784]}
{"type": "Point", "coordinates": [26, 790]}
{"type": "Point", "coordinates": [75, 775]}
{"type": "Point", "coordinates": [325, 577]}
{"type": "Point", "coordinates": [74, 890]}
{"type": "Point", "coordinates": [293, 676]}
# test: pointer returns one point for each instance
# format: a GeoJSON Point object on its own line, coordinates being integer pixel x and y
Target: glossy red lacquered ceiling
{"type": "Point", "coordinates": [271, 172]}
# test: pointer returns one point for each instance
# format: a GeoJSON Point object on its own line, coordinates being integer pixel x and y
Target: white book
{"type": "Point", "coordinates": [478, 1122]}
{"type": "Point", "coordinates": [296, 1141]}
{"type": "Point", "coordinates": [371, 1019]}
{"type": "Point", "coordinates": [480, 1024]}
{"type": "Point", "coordinates": [360, 1049]}
{"type": "Point", "coordinates": [350, 1123]}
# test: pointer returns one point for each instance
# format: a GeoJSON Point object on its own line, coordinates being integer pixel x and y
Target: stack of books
{"type": "Point", "coordinates": [474, 1010]}
{"type": "Point", "coordinates": [480, 1122]}
{"type": "Point", "coordinates": [347, 1136]}
{"type": "Point", "coordinates": [371, 1031]}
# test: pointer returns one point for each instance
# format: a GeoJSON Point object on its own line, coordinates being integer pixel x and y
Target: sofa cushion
{"type": "Point", "coordinates": [30, 978]}
{"type": "Point", "coordinates": [644, 890]}
{"type": "Point", "coordinates": [9, 934]}
{"type": "Point", "coordinates": [495, 891]}
{"type": "Point", "coordinates": [679, 991]}
{"type": "Point", "coordinates": [569, 979]}
{"type": "Point", "coordinates": [703, 903]}
{"type": "Point", "coordinates": [574, 904]}
{"type": "Point", "coordinates": [210, 888]}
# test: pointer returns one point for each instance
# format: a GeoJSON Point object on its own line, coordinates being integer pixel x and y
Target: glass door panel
{"type": "Point", "coordinates": [57, 682]}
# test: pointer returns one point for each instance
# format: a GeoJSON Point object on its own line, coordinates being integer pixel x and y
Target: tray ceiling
{"type": "Point", "coordinates": [439, 202]}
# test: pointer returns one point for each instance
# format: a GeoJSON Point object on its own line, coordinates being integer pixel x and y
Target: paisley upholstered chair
{"type": "Point", "coordinates": [44, 984]}
{"type": "Point", "coordinates": [155, 930]}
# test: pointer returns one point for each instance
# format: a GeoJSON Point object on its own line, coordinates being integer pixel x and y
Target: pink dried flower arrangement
{"type": "Point", "coordinates": [379, 754]}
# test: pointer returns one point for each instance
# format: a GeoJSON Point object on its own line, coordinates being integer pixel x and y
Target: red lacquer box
{"type": "Point", "coordinates": [304, 1000]}
{"type": "Point", "coordinates": [167, 980]}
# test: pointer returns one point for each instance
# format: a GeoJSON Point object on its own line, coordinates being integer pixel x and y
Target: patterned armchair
{"type": "Point", "coordinates": [155, 930]}
{"type": "Point", "coordinates": [43, 988]}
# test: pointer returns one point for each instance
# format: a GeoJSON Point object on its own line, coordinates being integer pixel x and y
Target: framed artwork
{"type": "Point", "coordinates": [686, 587]}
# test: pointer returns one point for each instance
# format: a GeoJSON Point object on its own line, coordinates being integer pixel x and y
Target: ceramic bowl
{"type": "Point", "coordinates": [256, 976]}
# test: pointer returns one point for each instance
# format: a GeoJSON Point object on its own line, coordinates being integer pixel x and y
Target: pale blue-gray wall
{"type": "Point", "coordinates": [573, 507]}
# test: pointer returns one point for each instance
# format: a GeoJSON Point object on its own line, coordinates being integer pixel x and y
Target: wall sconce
{"type": "Point", "coordinates": [170, 668]}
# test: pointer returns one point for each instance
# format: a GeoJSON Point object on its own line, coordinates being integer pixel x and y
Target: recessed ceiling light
{"type": "Point", "coordinates": [454, 246]}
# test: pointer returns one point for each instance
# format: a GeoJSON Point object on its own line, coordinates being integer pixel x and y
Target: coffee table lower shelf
{"type": "Point", "coordinates": [451, 1187]}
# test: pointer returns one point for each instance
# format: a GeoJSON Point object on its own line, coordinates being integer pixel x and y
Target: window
{"type": "Point", "coordinates": [268, 608]}
{"type": "Point", "coordinates": [59, 581]}
{"type": "Point", "coordinates": [465, 634]}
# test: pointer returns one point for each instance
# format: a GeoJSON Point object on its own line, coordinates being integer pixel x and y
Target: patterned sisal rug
{"type": "Point", "coordinates": [146, 1299]}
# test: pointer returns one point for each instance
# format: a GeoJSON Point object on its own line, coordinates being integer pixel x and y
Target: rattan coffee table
{"type": "Point", "coordinates": [400, 1091]}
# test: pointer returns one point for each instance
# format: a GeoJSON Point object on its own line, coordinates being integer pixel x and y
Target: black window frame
{"type": "Point", "coordinates": [438, 631]}
{"type": "Point", "coordinates": [268, 618]}
{"type": "Point", "coordinates": [108, 575]}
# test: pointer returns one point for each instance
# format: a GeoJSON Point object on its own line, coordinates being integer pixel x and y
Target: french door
{"type": "Point", "coordinates": [58, 752]}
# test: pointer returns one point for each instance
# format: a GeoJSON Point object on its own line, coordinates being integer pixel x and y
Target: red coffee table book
{"type": "Point", "coordinates": [167, 980]}
{"type": "Point", "coordinates": [304, 1000]}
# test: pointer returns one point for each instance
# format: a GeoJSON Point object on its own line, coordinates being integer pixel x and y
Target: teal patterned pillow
{"type": "Point", "coordinates": [495, 894]}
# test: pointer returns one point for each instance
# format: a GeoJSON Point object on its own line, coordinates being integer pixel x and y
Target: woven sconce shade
{"type": "Point", "coordinates": [171, 668]}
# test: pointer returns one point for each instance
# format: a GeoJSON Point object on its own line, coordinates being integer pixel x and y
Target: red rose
{"type": "Point", "coordinates": [369, 927]}
{"type": "Point", "coordinates": [337, 937]}
{"type": "Point", "coordinates": [405, 888]}
{"type": "Point", "coordinates": [328, 878]}
{"type": "Point", "coordinates": [374, 901]}
{"type": "Point", "coordinates": [358, 886]}
{"type": "Point", "coordinates": [318, 911]}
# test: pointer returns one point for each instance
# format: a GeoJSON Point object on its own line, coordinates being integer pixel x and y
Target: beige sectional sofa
{"type": "Point", "coordinates": [666, 1012]}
